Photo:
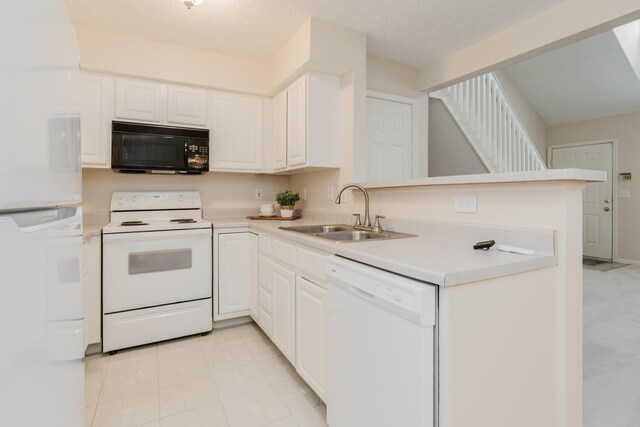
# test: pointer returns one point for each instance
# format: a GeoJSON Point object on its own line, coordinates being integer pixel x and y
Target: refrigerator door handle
{"type": "Point", "coordinates": [45, 219]}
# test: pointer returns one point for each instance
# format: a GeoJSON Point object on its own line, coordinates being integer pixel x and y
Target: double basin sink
{"type": "Point", "coordinates": [340, 233]}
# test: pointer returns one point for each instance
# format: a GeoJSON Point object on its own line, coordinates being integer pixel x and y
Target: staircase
{"type": "Point", "coordinates": [488, 120]}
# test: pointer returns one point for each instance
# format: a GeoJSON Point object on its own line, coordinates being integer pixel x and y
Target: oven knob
{"type": "Point", "coordinates": [181, 197]}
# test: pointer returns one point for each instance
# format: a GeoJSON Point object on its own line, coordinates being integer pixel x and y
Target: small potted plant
{"type": "Point", "coordinates": [287, 200]}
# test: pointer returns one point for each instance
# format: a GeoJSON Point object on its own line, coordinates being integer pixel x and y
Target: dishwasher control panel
{"type": "Point", "coordinates": [409, 298]}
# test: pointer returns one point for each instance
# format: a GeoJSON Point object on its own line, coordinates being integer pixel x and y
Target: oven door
{"type": "Point", "coordinates": [154, 268]}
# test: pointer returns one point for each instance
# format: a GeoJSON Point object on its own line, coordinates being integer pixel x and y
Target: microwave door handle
{"type": "Point", "coordinates": [186, 155]}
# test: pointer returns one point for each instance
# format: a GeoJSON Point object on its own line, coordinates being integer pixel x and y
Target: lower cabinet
{"type": "Point", "coordinates": [92, 276]}
{"type": "Point", "coordinates": [283, 288]}
{"type": "Point", "coordinates": [311, 318]}
{"type": "Point", "coordinates": [235, 273]}
{"type": "Point", "coordinates": [292, 305]}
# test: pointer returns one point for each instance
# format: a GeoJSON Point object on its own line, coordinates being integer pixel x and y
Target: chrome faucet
{"type": "Point", "coordinates": [367, 221]}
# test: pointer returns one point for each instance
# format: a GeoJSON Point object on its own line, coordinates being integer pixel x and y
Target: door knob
{"type": "Point", "coordinates": [606, 209]}
{"type": "Point", "coordinates": [606, 200]}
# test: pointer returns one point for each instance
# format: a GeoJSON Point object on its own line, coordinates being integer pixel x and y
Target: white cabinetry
{"type": "Point", "coordinates": [283, 287]}
{"type": "Point", "coordinates": [139, 100]}
{"type": "Point", "coordinates": [96, 113]}
{"type": "Point", "coordinates": [279, 144]}
{"type": "Point", "coordinates": [236, 133]}
{"type": "Point", "coordinates": [292, 300]}
{"type": "Point", "coordinates": [311, 318]}
{"type": "Point", "coordinates": [92, 259]}
{"type": "Point", "coordinates": [235, 270]}
{"type": "Point", "coordinates": [254, 286]}
{"type": "Point", "coordinates": [186, 106]}
{"type": "Point", "coordinates": [306, 124]}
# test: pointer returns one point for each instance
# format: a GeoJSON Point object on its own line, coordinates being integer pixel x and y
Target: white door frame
{"type": "Point", "coordinates": [614, 183]}
{"type": "Point", "coordinates": [415, 125]}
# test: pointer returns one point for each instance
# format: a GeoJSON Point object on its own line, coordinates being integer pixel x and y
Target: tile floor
{"type": "Point", "coordinates": [231, 377]}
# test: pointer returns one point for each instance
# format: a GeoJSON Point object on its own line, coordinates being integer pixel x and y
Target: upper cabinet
{"type": "Point", "coordinates": [147, 101]}
{"type": "Point", "coordinates": [236, 136]}
{"type": "Point", "coordinates": [139, 100]}
{"type": "Point", "coordinates": [306, 124]}
{"type": "Point", "coordinates": [96, 114]}
{"type": "Point", "coordinates": [186, 106]}
{"type": "Point", "coordinates": [279, 145]}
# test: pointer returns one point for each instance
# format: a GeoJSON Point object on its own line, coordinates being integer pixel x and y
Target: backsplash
{"type": "Point", "coordinates": [223, 194]}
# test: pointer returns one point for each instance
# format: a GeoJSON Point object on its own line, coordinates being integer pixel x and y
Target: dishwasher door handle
{"type": "Point", "coordinates": [363, 294]}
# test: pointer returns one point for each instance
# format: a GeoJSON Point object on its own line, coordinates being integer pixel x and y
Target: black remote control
{"type": "Point", "coordinates": [484, 245]}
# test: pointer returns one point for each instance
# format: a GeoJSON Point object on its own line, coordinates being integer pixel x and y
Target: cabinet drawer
{"type": "Point", "coordinates": [311, 265]}
{"type": "Point", "coordinates": [264, 243]}
{"type": "Point", "coordinates": [283, 252]}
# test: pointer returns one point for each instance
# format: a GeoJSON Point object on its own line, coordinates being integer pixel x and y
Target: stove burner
{"type": "Point", "coordinates": [183, 221]}
{"type": "Point", "coordinates": [130, 223]}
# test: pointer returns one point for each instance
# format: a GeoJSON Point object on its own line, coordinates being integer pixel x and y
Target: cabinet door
{"type": "Point", "coordinates": [280, 131]}
{"type": "Point", "coordinates": [186, 106]}
{"type": "Point", "coordinates": [265, 309]}
{"type": "Point", "coordinates": [138, 100]}
{"type": "Point", "coordinates": [236, 133]}
{"type": "Point", "coordinates": [96, 114]}
{"type": "Point", "coordinates": [254, 283]}
{"type": "Point", "coordinates": [297, 123]}
{"type": "Point", "coordinates": [92, 289]}
{"type": "Point", "coordinates": [234, 275]}
{"type": "Point", "coordinates": [283, 283]}
{"type": "Point", "coordinates": [311, 310]}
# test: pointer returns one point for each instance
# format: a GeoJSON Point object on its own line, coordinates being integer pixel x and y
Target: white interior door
{"type": "Point", "coordinates": [389, 139]}
{"type": "Point", "coordinates": [597, 235]}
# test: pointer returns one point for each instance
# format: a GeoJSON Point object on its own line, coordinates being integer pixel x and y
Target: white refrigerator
{"type": "Point", "coordinates": [41, 301]}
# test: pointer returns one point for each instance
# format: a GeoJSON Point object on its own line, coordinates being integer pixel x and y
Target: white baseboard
{"type": "Point", "coordinates": [628, 261]}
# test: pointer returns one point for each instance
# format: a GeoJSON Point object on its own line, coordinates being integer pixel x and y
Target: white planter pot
{"type": "Point", "coordinates": [286, 212]}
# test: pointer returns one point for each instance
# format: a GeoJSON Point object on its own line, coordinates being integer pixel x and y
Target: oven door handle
{"type": "Point", "coordinates": [156, 235]}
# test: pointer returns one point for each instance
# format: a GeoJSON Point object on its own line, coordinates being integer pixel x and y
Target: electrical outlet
{"type": "Point", "coordinates": [466, 204]}
{"type": "Point", "coordinates": [258, 193]}
{"type": "Point", "coordinates": [303, 196]}
{"type": "Point", "coordinates": [330, 192]}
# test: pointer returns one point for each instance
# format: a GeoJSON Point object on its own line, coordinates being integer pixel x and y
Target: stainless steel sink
{"type": "Point", "coordinates": [314, 229]}
{"type": "Point", "coordinates": [344, 233]}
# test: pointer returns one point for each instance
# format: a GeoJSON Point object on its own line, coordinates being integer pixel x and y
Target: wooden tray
{"type": "Point", "coordinates": [273, 218]}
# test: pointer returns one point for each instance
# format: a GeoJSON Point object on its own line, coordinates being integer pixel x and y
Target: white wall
{"type": "Point", "coordinates": [449, 150]}
{"type": "Point", "coordinates": [219, 191]}
{"type": "Point", "coordinates": [120, 54]}
{"type": "Point", "coordinates": [626, 129]}
{"type": "Point", "coordinates": [391, 77]}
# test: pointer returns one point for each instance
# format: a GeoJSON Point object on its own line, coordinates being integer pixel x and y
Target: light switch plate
{"type": "Point", "coordinates": [465, 204]}
{"type": "Point", "coordinates": [624, 194]}
{"type": "Point", "coordinates": [258, 193]}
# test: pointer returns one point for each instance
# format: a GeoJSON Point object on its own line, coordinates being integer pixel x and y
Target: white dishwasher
{"type": "Point", "coordinates": [381, 348]}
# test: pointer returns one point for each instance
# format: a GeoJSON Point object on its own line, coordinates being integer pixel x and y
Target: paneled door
{"type": "Point", "coordinates": [389, 139]}
{"type": "Point", "coordinates": [598, 206]}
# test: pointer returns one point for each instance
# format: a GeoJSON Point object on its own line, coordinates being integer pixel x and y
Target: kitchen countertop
{"type": "Point", "coordinates": [89, 230]}
{"type": "Point", "coordinates": [492, 178]}
{"type": "Point", "coordinates": [436, 260]}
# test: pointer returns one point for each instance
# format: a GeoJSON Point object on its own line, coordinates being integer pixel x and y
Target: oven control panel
{"type": "Point", "coordinates": [154, 200]}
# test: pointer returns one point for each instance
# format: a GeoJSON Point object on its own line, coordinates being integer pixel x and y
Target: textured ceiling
{"type": "Point", "coordinates": [413, 32]}
{"type": "Point", "coordinates": [585, 80]}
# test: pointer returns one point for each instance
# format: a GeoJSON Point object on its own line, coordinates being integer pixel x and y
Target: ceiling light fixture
{"type": "Point", "coordinates": [191, 3]}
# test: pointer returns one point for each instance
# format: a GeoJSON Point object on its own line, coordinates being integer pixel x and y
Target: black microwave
{"type": "Point", "coordinates": [144, 148]}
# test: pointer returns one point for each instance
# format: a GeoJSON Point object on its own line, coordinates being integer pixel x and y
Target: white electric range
{"type": "Point", "coordinates": [156, 269]}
